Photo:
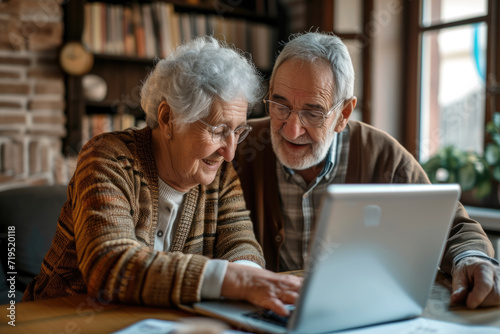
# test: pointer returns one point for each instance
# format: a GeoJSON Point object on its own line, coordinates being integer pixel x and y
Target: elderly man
{"type": "Point", "coordinates": [308, 143]}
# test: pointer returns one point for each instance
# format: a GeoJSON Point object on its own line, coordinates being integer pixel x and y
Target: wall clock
{"type": "Point", "coordinates": [76, 59]}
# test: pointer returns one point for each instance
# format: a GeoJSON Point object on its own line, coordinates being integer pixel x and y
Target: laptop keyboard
{"type": "Point", "coordinates": [270, 317]}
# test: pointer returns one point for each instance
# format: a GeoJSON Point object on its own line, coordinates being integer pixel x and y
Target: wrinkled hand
{"type": "Point", "coordinates": [261, 287]}
{"type": "Point", "coordinates": [476, 282]}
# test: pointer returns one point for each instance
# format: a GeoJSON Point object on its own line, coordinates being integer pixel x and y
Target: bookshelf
{"type": "Point", "coordinates": [127, 36]}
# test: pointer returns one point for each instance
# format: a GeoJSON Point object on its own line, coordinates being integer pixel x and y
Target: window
{"type": "Point", "coordinates": [451, 68]}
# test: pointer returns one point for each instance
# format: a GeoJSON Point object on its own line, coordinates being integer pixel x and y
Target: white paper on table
{"type": "Point", "coordinates": [155, 326]}
{"type": "Point", "coordinates": [424, 326]}
{"type": "Point", "coordinates": [413, 326]}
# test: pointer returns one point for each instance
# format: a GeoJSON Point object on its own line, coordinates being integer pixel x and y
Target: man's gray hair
{"type": "Point", "coordinates": [196, 74]}
{"type": "Point", "coordinates": [312, 46]}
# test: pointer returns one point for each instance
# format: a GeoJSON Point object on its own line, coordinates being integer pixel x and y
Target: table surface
{"type": "Point", "coordinates": [82, 314]}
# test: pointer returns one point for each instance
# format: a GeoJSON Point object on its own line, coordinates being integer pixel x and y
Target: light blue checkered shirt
{"type": "Point", "coordinates": [300, 201]}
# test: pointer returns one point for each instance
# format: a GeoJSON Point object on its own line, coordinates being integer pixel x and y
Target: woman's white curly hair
{"type": "Point", "coordinates": [196, 74]}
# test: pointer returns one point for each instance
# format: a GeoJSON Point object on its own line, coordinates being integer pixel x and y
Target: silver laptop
{"type": "Point", "coordinates": [374, 259]}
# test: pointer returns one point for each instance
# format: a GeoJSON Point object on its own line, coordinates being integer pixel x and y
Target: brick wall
{"type": "Point", "coordinates": [32, 121]}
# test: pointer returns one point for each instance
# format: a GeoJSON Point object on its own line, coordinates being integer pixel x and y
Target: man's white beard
{"type": "Point", "coordinates": [317, 151]}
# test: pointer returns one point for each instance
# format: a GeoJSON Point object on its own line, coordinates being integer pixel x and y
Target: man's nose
{"type": "Point", "coordinates": [293, 127]}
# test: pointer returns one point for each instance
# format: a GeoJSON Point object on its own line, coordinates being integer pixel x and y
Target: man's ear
{"type": "Point", "coordinates": [345, 114]}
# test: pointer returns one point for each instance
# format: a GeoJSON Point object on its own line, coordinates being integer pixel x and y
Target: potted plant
{"type": "Point", "coordinates": [479, 176]}
{"type": "Point", "coordinates": [492, 151]}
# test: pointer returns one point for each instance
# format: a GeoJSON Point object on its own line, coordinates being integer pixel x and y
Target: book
{"type": "Point", "coordinates": [201, 25]}
{"type": "Point", "coordinates": [87, 26]}
{"type": "Point", "coordinates": [154, 29]}
{"type": "Point", "coordinates": [122, 121]}
{"type": "Point", "coordinates": [272, 7]}
{"type": "Point", "coordinates": [103, 28]}
{"type": "Point", "coordinates": [158, 35]}
{"type": "Point", "coordinates": [164, 25]}
{"type": "Point", "coordinates": [119, 37]}
{"type": "Point", "coordinates": [128, 32]}
{"type": "Point", "coordinates": [100, 123]}
{"type": "Point", "coordinates": [261, 46]}
{"type": "Point", "coordinates": [174, 25]}
{"type": "Point", "coordinates": [149, 34]}
{"type": "Point", "coordinates": [241, 41]}
{"type": "Point", "coordinates": [86, 132]}
{"type": "Point", "coordinates": [95, 26]}
{"type": "Point", "coordinates": [185, 27]}
{"type": "Point", "coordinates": [110, 19]}
{"type": "Point", "coordinates": [139, 33]}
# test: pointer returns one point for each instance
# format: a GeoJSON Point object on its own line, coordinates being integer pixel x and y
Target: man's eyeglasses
{"type": "Point", "coordinates": [311, 118]}
{"type": "Point", "coordinates": [221, 132]}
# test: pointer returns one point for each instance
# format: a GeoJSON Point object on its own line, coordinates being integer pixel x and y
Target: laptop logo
{"type": "Point", "coordinates": [372, 215]}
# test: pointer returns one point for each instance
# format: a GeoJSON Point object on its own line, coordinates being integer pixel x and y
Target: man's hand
{"type": "Point", "coordinates": [476, 282]}
{"type": "Point", "coordinates": [261, 287]}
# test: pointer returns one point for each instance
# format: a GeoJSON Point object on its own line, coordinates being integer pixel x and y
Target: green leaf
{"type": "Point", "coordinates": [483, 189]}
{"type": "Point", "coordinates": [452, 178]}
{"type": "Point", "coordinates": [496, 173]}
{"type": "Point", "coordinates": [496, 138]}
{"type": "Point", "coordinates": [490, 128]}
{"type": "Point", "coordinates": [467, 177]}
{"type": "Point", "coordinates": [492, 154]}
{"type": "Point", "coordinates": [481, 167]}
{"type": "Point", "coordinates": [496, 119]}
{"type": "Point", "coordinates": [432, 164]}
{"type": "Point", "coordinates": [452, 162]}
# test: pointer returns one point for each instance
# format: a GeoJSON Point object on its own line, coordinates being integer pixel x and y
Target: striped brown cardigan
{"type": "Point", "coordinates": [105, 234]}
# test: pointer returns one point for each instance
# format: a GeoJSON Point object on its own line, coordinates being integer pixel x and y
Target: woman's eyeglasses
{"type": "Point", "coordinates": [221, 132]}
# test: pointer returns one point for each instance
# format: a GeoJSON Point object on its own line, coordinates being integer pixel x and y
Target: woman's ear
{"type": "Point", "coordinates": [164, 114]}
{"type": "Point", "coordinates": [165, 119]}
{"type": "Point", "coordinates": [345, 114]}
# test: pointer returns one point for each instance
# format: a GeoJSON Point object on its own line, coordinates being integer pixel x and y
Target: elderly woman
{"type": "Point", "coordinates": [150, 210]}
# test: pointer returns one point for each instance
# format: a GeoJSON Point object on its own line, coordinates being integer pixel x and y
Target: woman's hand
{"type": "Point", "coordinates": [261, 287]}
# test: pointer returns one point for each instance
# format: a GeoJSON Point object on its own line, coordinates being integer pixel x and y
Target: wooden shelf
{"type": "Point", "coordinates": [244, 10]}
{"type": "Point", "coordinates": [106, 107]}
{"type": "Point", "coordinates": [121, 58]}
{"type": "Point", "coordinates": [227, 11]}
{"type": "Point", "coordinates": [124, 74]}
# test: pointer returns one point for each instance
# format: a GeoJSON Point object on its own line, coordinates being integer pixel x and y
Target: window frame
{"type": "Point", "coordinates": [412, 66]}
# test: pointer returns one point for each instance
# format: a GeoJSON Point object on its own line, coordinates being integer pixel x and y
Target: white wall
{"type": "Point", "coordinates": [387, 86]}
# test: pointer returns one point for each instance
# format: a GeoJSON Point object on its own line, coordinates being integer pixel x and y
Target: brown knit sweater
{"type": "Point", "coordinates": [105, 235]}
{"type": "Point", "coordinates": [374, 157]}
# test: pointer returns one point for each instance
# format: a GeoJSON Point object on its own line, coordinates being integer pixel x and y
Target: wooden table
{"type": "Point", "coordinates": [82, 314]}
{"type": "Point", "coordinates": [438, 307]}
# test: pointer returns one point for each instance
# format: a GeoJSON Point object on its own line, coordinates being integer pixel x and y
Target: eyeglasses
{"type": "Point", "coordinates": [221, 132]}
{"type": "Point", "coordinates": [311, 118]}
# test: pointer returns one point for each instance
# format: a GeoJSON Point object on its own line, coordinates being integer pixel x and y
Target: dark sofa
{"type": "Point", "coordinates": [33, 211]}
